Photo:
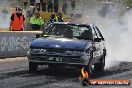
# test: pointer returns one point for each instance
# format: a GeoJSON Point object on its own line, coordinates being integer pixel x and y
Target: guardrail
{"type": "Point", "coordinates": [14, 44]}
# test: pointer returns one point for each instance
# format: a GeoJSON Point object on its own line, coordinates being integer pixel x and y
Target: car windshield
{"type": "Point", "coordinates": [68, 31]}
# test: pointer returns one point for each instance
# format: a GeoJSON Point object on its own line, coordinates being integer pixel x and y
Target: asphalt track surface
{"type": "Point", "coordinates": [14, 74]}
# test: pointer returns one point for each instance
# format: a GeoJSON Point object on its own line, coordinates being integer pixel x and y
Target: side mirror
{"type": "Point", "coordinates": [97, 39]}
{"type": "Point", "coordinates": [38, 35]}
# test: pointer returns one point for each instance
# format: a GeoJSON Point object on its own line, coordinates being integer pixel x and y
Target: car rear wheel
{"type": "Point", "coordinates": [100, 66]}
{"type": "Point", "coordinates": [32, 67]}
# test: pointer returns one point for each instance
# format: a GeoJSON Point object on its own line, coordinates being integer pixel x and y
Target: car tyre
{"type": "Point", "coordinates": [100, 66]}
{"type": "Point", "coordinates": [89, 68]}
{"type": "Point", "coordinates": [32, 67]}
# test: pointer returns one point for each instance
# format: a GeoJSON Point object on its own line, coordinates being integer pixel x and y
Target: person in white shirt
{"type": "Point", "coordinates": [37, 5]}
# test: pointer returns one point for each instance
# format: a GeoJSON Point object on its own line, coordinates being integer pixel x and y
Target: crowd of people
{"type": "Point", "coordinates": [33, 21]}
{"type": "Point", "coordinates": [49, 5]}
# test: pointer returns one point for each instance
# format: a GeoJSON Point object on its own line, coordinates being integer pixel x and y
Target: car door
{"type": "Point", "coordinates": [102, 43]}
{"type": "Point", "coordinates": [97, 45]}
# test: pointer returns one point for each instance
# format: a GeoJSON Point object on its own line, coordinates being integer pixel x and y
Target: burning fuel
{"type": "Point", "coordinates": [84, 73]}
{"type": "Point", "coordinates": [84, 77]}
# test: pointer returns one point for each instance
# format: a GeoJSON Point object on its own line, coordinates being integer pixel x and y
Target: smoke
{"type": "Point", "coordinates": [4, 18]}
{"type": "Point", "coordinates": [5, 12]}
{"type": "Point", "coordinates": [117, 33]}
{"type": "Point", "coordinates": [114, 21]}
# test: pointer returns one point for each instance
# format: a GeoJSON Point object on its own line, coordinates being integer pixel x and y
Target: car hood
{"type": "Point", "coordinates": [59, 43]}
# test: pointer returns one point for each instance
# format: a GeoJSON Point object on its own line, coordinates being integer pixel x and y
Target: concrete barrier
{"type": "Point", "coordinates": [15, 43]}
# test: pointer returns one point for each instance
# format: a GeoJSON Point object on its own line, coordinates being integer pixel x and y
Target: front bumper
{"type": "Point", "coordinates": [66, 60]}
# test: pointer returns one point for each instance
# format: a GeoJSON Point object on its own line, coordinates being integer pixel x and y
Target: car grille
{"type": "Point", "coordinates": [64, 59]}
{"type": "Point", "coordinates": [49, 50]}
{"type": "Point", "coordinates": [56, 50]}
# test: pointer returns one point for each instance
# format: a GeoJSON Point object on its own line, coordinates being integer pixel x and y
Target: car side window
{"type": "Point", "coordinates": [95, 35]}
{"type": "Point", "coordinates": [97, 32]}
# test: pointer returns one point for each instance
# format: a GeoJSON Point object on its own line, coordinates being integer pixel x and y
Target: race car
{"type": "Point", "coordinates": [68, 44]}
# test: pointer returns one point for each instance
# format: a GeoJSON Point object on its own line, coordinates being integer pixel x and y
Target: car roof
{"type": "Point", "coordinates": [73, 23]}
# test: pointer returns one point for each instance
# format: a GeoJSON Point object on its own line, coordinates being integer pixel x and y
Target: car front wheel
{"type": "Point", "coordinates": [32, 67]}
{"type": "Point", "coordinates": [100, 66]}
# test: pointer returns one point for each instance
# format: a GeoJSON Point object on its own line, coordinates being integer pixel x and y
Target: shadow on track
{"type": "Point", "coordinates": [67, 72]}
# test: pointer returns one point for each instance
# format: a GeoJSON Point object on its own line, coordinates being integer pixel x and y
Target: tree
{"type": "Point", "coordinates": [129, 3]}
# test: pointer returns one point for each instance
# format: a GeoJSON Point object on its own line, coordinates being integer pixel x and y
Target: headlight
{"type": "Point", "coordinates": [38, 50]}
{"type": "Point", "coordinates": [74, 52]}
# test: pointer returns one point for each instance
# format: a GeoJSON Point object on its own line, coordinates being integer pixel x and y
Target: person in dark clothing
{"type": "Point", "coordinates": [73, 4]}
{"type": "Point", "coordinates": [43, 3]}
{"type": "Point", "coordinates": [25, 4]}
{"type": "Point", "coordinates": [52, 18]}
{"type": "Point", "coordinates": [50, 6]}
{"type": "Point", "coordinates": [32, 2]}
{"type": "Point", "coordinates": [59, 17]}
{"type": "Point", "coordinates": [56, 4]}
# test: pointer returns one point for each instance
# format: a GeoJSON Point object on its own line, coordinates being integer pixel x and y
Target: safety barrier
{"type": "Point", "coordinates": [14, 44]}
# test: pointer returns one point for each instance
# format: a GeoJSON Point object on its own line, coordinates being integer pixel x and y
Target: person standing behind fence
{"type": "Point", "coordinates": [73, 4]}
{"type": "Point", "coordinates": [29, 14]}
{"type": "Point", "coordinates": [24, 4]}
{"type": "Point", "coordinates": [32, 2]}
{"type": "Point", "coordinates": [37, 4]}
{"type": "Point", "coordinates": [17, 20]}
{"type": "Point", "coordinates": [43, 3]}
{"type": "Point", "coordinates": [59, 17]}
{"type": "Point", "coordinates": [52, 18]}
{"type": "Point", "coordinates": [64, 7]}
{"type": "Point", "coordinates": [36, 22]}
{"type": "Point", "coordinates": [56, 4]}
{"type": "Point", "coordinates": [50, 5]}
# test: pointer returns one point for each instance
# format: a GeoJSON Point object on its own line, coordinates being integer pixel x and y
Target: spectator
{"type": "Point", "coordinates": [29, 14]}
{"type": "Point", "coordinates": [64, 7]}
{"type": "Point", "coordinates": [52, 18]}
{"type": "Point", "coordinates": [36, 22]}
{"type": "Point", "coordinates": [60, 5]}
{"type": "Point", "coordinates": [32, 2]}
{"type": "Point", "coordinates": [43, 3]}
{"type": "Point", "coordinates": [50, 6]}
{"type": "Point", "coordinates": [73, 4]}
{"type": "Point", "coordinates": [59, 17]}
{"type": "Point", "coordinates": [56, 4]}
{"type": "Point", "coordinates": [37, 5]}
{"type": "Point", "coordinates": [17, 20]}
{"type": "Point", "coordinates": [24, 3]}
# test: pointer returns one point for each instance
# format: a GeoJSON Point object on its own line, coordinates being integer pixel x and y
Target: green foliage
{"type": "Point", "coordinates": [129, 3]}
